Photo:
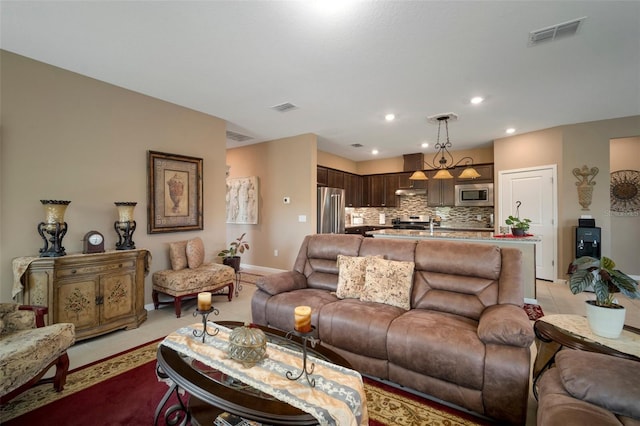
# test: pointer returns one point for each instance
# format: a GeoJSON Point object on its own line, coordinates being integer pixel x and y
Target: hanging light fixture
{"type": "Point", "coordinates": [445, 160]}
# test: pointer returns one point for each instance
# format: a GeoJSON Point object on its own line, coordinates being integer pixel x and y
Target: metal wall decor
{"type": "Point", "coordinates": [585, 176]}
{"type": "Point", "coordinates": [174, 193]}
{"type": "Point", "coordinates": [625, 191]}
{"type": "Point", "coordinates": [242, 200]}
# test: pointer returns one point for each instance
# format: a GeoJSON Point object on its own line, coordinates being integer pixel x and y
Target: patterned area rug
{"type": "Point", "coordinates": [387, 405]}
{"type": "Point", "coordinates": [533, 311]}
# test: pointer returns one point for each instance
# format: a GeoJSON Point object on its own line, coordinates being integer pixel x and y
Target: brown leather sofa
{"type": "Point", "coordinates": [586, 388]}
{"type": "Point", "coordinates": [465, 338]}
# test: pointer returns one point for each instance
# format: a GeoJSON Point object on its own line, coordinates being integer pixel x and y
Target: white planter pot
{"type": "Point", "coordinates": [605, 322]}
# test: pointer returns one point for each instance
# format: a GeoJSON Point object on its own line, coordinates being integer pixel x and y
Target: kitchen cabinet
{"type": "Point", "coordinates": [440, 192]}
{"type": "Point", "coordinates": [352, 190]}
{"type": "Point", "coordinates": [322, 177]}
{"type": "Point", "coordinates": [485, 170]}
{"type": "Point", "coordinates": [98, 293]}
{"type": "Point", "coordinates": [380, 190]}
{"type": "Point", "coordinates": [335, 178]}
{"type": "Point", "coordinates": [405, 183]}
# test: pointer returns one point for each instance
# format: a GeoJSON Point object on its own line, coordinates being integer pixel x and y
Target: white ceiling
{"type": "Point", "coordinates": [346, 69]}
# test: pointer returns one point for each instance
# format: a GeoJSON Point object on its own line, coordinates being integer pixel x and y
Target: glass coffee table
{"type": "Point", "coordinates": [210, 392]}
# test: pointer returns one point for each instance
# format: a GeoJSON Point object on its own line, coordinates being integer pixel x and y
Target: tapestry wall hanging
{"type": "Point", "coordinates": [174, 193]}
{"type": "Point", "coordinates": [242, 200]}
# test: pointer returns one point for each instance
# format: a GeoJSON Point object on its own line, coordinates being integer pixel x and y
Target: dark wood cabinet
{"type": "Point", "coordinates": [485, 170]}
{"type": "Point", "coordinates": [440, 192]}
{"type": "Point", "coordinates": [353, 190]}
{"type": "Point", "coordinates": [335, 178]}
{"type": "Point", "coordinates": [405, 183]}
{"type": "Point", "coordinates": [380, 190]}
{"type": "Point", "coordinates": [322, 177]}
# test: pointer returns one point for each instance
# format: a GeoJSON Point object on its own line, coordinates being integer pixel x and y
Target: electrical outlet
{"type": "Point", "coordinates": [479, 217]}
{"type": "Point", "coordinates": [275, 252]}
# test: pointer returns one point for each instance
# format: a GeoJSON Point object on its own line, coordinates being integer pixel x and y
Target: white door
{"type": "Point", "coordinates": [535, 188]}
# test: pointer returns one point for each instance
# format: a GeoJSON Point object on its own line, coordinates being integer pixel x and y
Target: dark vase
{"type": "Point", "coordinates": [518, 232]}
{"type": "Point", "coordinates": [234, 262]}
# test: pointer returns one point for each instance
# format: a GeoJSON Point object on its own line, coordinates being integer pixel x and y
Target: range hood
{"type": "Point", "coordinates": [411, 191]}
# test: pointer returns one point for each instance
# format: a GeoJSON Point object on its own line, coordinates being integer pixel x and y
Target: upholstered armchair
{"type": "Point", "coordinates": [28, 349]}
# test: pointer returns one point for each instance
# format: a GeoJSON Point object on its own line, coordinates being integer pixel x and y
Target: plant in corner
{"type": "Point", "coordinates": [230, 256]}
{"type": "Point", "coordinates": [519, 227]}
{"type": "Point", "coordinates": [600, 275]}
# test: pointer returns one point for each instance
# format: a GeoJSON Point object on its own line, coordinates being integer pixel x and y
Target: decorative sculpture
{"type": "Point", "coordinates": [585, 176]}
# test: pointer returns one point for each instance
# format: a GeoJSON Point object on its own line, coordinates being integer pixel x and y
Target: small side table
{"type": "Point", "coordinates": [553, 332]}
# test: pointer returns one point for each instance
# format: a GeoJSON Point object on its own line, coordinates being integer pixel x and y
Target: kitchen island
{"type": "Point", "coordinates": [527, 245]}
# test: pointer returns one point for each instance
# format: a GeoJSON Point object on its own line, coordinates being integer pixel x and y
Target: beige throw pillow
{"type": "Point", "coordinates": [178, 255]}
{"type": "Point", "coordinates": [388, 282]}
{"type": "Point", "coordinates": [351, 273]}
{"type": "Point", "coordinates": [195, 252]}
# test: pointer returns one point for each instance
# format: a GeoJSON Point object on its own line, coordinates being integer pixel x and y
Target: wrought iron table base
{"type": "Point", "coordinates": [306, 337]}
{"type": "Point", "coordinates": [205, 316]}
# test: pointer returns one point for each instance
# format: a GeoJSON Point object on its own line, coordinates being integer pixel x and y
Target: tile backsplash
{"type": "Point", "coordinates": [417, 205]}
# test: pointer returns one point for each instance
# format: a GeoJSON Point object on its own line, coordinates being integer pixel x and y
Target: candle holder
{"type": "Point", "coordinates": [125, 225]}
{"type": "Point", "coordinates": [55, 227]}
{"type": "Point", "coordinates": [205, 316]}
{"type": "Point", "coordinates": [313, 341]}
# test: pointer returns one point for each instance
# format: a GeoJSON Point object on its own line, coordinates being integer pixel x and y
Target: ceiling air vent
{"type": "Point", "coordinates": [357, 145]}
{"type": "Point", "coordinates": [285, 107]}
{"type": "Point", "coordinates": [238, 137]}
{"type": "Point", "coordinates": [555, 31]}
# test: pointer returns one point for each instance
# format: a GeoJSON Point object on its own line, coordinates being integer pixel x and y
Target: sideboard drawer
{"type": "Point", "coordinates": [94, 269]}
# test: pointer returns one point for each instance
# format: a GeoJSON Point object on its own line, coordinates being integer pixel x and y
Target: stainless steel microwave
{"type": "Point", "coordinates": [474, 194]}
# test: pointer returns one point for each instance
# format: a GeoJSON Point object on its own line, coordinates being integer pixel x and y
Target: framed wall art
{"type": "Point", "coordinates": [242, 200]}
{"type": "Point", "coordinates": [174, 191]}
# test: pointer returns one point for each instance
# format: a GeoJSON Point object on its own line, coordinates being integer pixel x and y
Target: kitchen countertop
{"type": "Point", "coordinates": [469, 235]}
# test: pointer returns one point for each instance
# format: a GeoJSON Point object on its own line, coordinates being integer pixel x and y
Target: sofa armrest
{"type": "Point", "coordinates": [282, 282]}
{"type": "Point", "coordinates": [39, 312]}
{"type": "Point", "coordinates": [505, 325]}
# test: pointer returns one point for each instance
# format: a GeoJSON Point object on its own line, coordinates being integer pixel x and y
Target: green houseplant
{"type": "Point", "coordinates": [605, 315]}
{"type": "Point", "coordinates": [230, 255]}
{"type": "Point", "coordinates": [519, 227]}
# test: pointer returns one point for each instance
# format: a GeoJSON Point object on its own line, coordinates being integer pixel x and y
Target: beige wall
{"type": "Point", "coordinates": [336, 162]}
{"type": "Point", "coordinates": [625, 228]}
{"type": "Point", "coordinates": [569, 147]}
{"type": "Point", "coordinates": [69, 137]}
{"type": "Point", "coordinates": [285, 168]}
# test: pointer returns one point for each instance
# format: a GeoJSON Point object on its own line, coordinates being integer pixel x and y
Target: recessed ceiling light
{"type": "Point", "coordinates": [374, 152]}
{"type": "Point", "coordinates": [477, 100]}
{"type": "Point", "coordinates": [390, 117]}
{"type": "Point", "coordinates": [510, 130]}
{"type": "Point", "coordinates": [425, 144]}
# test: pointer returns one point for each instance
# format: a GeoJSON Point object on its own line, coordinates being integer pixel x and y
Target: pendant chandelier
{"type": "Point", "coordinates": [445, 160]}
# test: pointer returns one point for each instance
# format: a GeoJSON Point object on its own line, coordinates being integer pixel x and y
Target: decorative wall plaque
{"type": "Point", "coordinates": [625, 191]}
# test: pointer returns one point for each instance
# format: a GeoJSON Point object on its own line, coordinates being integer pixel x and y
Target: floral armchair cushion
{"type": "Point", "coordinates": [12, 319]}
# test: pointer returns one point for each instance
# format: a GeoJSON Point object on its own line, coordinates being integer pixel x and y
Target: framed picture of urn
{"type": "Point", "coordinates": [174, 191]}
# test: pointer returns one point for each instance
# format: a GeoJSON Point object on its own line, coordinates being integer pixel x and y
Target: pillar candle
{"type": "Point", "coordinates": [204, 301]}
{"type": "Point", "coordinates": [302, 317]}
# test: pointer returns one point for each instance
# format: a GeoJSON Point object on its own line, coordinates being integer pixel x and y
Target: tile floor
{"type": "Point", "coordinates": [554, 298]}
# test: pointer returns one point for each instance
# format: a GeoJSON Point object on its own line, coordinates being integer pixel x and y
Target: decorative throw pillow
{"type": "Point", "coordinates": [351, 273]}
{"type": "Point", "coordinates": [388, 282]}
{"type": "Point", "coordinates": [195, 252]}
{"type": "Point", "coordinates": [178, 255]}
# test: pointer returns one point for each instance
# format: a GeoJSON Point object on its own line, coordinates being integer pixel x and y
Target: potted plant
{"type": "Point", "coordinates": [519, 227]}
{"type": "Point", "coordinates": [605, 315]}
{"type": "Point", "coordinates": [230, 256]}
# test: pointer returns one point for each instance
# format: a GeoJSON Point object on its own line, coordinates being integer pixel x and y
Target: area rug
{"type": "Point", "coordinates": [124, 390]}
{"type": "Point", "coordinates": [533, 311]}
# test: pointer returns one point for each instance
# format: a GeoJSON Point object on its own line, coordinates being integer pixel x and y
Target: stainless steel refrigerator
{"type": "Point", "coordinates": [330, 211]}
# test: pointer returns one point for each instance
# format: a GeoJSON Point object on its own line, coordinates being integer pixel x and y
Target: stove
{"type": "Point", "coordinates": [420, 222]}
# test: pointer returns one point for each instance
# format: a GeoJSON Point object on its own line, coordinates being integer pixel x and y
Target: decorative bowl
{"type": "Point", "coordinates": [247, 345]}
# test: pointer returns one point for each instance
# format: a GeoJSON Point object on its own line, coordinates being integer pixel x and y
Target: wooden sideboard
{"type": "Point", "coordinates": [98, 293]}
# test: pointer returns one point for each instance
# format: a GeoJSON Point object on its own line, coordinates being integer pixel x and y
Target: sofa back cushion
{"type": "Point", "coordinates": [318, 258]}
{"type": "Point", "coordinates": [456, 277]}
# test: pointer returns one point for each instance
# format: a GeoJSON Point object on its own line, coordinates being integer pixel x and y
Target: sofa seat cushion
{"type": "Point", "coordinates": [279, 309]}
{"type": "Point", "coordinates": [25, 353]}
{"type": "Point", "coordinates": [438, 344]}
{"type": "Point", "coordinates": [190, 281]}
{"type": "Point", "coordinates": [358, 327]}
